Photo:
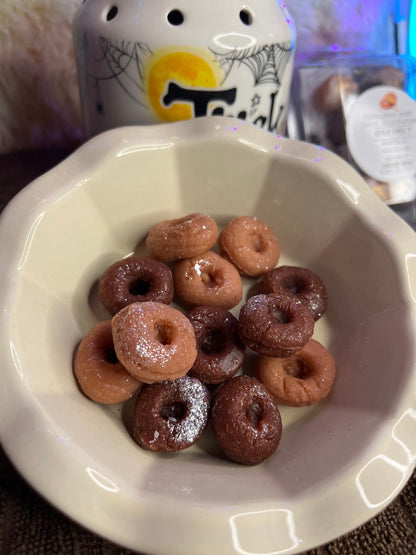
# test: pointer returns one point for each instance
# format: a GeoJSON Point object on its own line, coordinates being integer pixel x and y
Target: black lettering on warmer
{"type": "Point", "coordinates": [199, 98]}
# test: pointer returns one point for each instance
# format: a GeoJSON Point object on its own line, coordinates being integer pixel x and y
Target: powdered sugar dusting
{"type": "Point", "coordinates": [143, 349]}
{"type": "Point", "coordinates": [188, 429]}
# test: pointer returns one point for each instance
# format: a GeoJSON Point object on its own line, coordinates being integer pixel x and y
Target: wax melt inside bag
{"type": "Point", "coordinates": [362, 109]}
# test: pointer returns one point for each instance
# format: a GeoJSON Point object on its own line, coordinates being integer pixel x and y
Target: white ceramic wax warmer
{"type": "Point", "coordinates": [156, 61]}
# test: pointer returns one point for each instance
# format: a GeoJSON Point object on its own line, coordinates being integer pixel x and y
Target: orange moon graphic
{"type": "Point", "coordinates": [184, 68]}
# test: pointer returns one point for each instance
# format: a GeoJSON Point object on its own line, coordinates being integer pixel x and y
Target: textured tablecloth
{"type": "Point", "coordinates": [30, 525]}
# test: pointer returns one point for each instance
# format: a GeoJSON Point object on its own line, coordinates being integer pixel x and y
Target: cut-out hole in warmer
{"type": "Point", "coordinates": [112, 13]}
{"type": "Point", "coordinates": [246, 17]}
{"type": "Point", "coordinates": [176, 17]}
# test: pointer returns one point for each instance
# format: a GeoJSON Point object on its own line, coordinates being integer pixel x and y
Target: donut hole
{"type": "Point", "coordinates": [139, 288]}
{"type": "Point", "coordinates": [175, 411]}
{"type": "Point", "coordinates": [296, 367]}
{"type": "Point", "coordinates": [163, 332]}
{"type": "Point", "coordinates": [213, 342]}
{"type": "Point", "coordinates": [211, 279]}
{"type": "Point", "coordinates": [110, 356]}
{"type": "Point", "coordinates": [257, 243]}
{"type": "Point", "coordinates": [295, 286]}
{"type": "Point", "coordinates": [254, 413]}
{"type": "Point", "coordinates": [281, 316]}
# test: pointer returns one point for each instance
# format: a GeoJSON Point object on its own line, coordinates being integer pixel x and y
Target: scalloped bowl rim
{"type": "Point", "coordinates": [160, 513]}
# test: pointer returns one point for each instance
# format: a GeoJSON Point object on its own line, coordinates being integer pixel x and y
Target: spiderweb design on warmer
{"type": "Point", "coordinates": [124, 62]}
{"type": "Point", "coordinates": [267, 63]}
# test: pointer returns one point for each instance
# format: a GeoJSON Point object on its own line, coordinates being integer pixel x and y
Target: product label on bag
{"type": "Point", "coordinates": [381, 133]}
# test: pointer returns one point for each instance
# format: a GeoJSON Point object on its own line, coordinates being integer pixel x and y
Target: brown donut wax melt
{"type": "Point", "coordinates": [171, 358]}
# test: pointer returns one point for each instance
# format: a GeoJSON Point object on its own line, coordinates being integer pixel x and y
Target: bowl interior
{"type": "Point", "coordinates": [102, 212]}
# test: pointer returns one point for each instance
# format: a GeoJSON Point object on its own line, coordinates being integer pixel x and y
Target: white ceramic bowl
{"type": "Point", "coordinates": [339, 462]}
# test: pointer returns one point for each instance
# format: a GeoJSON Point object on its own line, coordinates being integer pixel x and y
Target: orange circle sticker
{"type": "Point", "coordinates": [388, 101]}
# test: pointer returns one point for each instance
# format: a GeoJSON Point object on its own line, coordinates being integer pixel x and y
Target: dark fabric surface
{"type": "Point", "coordinates": [30, 525]}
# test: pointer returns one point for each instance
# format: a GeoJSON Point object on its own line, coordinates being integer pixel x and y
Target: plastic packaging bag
{"type": "Point", "coordinates": [361, 108]}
